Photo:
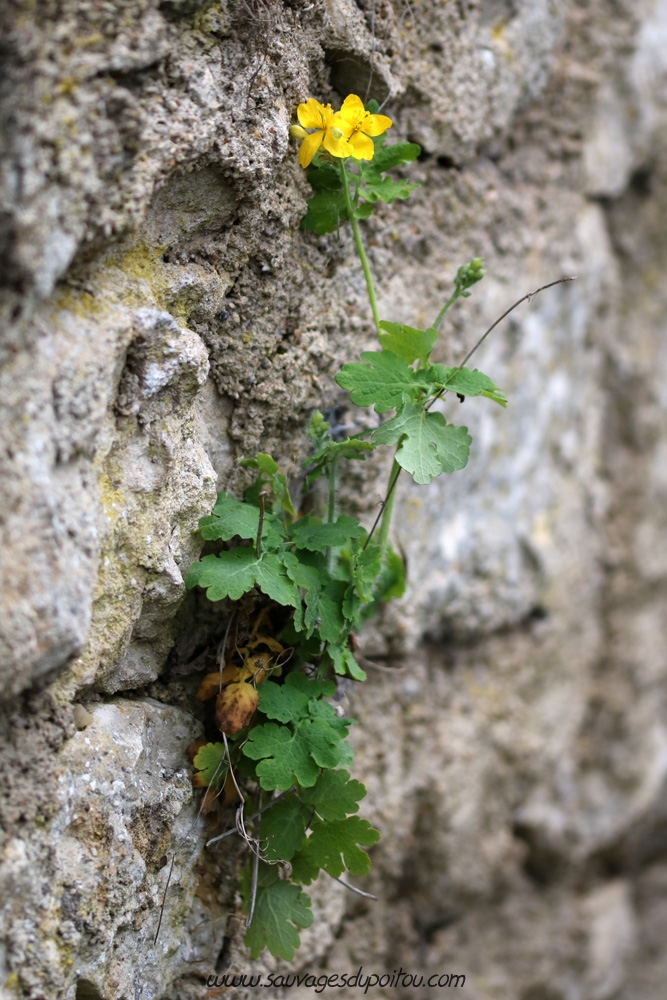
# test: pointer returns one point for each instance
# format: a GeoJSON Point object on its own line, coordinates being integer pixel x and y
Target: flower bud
{"type": "Point", "coordinates": [297, 132]}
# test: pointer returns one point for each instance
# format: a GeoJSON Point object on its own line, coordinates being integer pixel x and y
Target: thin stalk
{"type": "Point", "coordinates": [523, 298]}
{"type": "Point", "coordinates": [331, 511]}
{"type": "Point", "coordinates": [448, 303]}
{"type": "Point", "coordinates": [387, 504]}
{"type": "Point", "coordinates": [258, 546]}
{"type": "Point", "coordinates": [388, 507]}
{"type": "Point", "coordinates": [253, 888]}
{"type": "Point", "coordinates": [360, 247]}
{"type": "Point", "coordinates": [486, 333]}
{"type": "Point", "coordinates": [331, 479]}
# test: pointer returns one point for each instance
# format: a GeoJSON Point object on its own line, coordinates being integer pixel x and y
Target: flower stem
{"type": "Point", "coordinates": [360, 247]}
{"type": "Point", "coordinates": [444, 309]}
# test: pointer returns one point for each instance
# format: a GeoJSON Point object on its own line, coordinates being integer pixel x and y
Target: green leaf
{"type": "Point", "coordinates": [366, 566]}
{"type": "Point", "coordinates": [279, 909]}
{"type": "Point", "coordinates": [286, 757]}
{"type": "Point", "coordinates": [272, 580]}
{"type": "Point", "coordinates": [283, 758]}
{"type": "Point", "coordinates": [346, 754]}
{"type": "Point", "coordinates": [352, 605]}
{"type": "Point", "coordinates": [268, 475]}
{"type": "Point", "coordinates": [283, 702]}
{"type": "Point", "coordinates": [386, 190]}
{"type": "Point", "coordinates": [389, 583]}
{"type": "Point", "coordinates": [230, 517]}
{"type": "Point", "coordinates": [428, 444]}
{"type": "Point", "coordinates": [322, 737]}
{"type": "Point", "coordinates": [344, 663]}
{"type": "Point", "coordinates": [307, 569]}
{"type": "Point", "coordinates": [364, 210]}
{"type": "Point", "coordinates": [331, 451]}
{"type": "Point", "coordinates": [406, 342]}
{"type": "Point", "coordinates": [386, 157]}
{"type": "Point", "coordinates": [466, 382]}
{"type": "Point", "coordinates": [304, 868]}
{"type": "Point", "coordinates": [234, 573]}
{"type": "Point", "coordinates": [324, 611]}
{"type": "Point", "coordinates": [383, 379]}
{"type": "Point", "coordinates": [334, 847]}
{"type": "Point", "coordinates": [292, 700]}
{"type": "Point", "coordinates": [326, 210]}
{"type": "Point", "coordinates": [210, 761]}
{"type": "Point", "coordinates": [283, 827]}
{"type": "Point", "coordinates": [194, 574]}
{"type": "Point", "coordinates": [311, 686]}
{"type": "Point", "coordinates": [334, 795]}
{"type": "Point", "coordinates": [311, 533]}
{"type": "Point", "coordinates": [324, 177]}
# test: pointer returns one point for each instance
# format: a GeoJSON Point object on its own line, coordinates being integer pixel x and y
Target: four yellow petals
{"type": "Point", "coordinates": [342, 133]}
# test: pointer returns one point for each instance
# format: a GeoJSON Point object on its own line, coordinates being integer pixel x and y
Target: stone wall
{"type": "Point", "coordinates": [162, 315]}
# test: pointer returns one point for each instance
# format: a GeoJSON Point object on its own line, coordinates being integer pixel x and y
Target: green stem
{"type": "Point", "coordinates": [360, 247]}
{"type": "Point", "coordinates": [331, 511]}
{"type": "Point", "coordinates": [444, 309]}
{"type": "Point", "coordinates": [331, 480]}
{"type": "Point", "coordinates": [258, 546]}
{"type": "Point", "coordinates": [387, 508]}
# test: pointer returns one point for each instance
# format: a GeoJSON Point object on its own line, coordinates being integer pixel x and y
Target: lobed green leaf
{"type": "Point", "coordinates": [230, 517]}
{"type": "Point", "coordinates": [232, 574]}
{"type": "Point", "coordinates": [406, 342]}
{"type": "Point", "coordinates": [210, 761]}
{"type": "Point", "coordinates": [283, 827]}
{"type": "Point", "coordinates": [466, 382]}
{"type": "Point", "coordinates": [313, 534]}
{"type": "Point", "coordinates": [290, 701]}
{"type": "Point", "coordinates": [334, 795]}
{"type": "Point", "coordinates": [428, 444]}
{"type": "Point", "coordinates": [382, 379]}
{"type": "Point", "coordinates": [386, 190]}
{"type": "Point", "coordinates": [345, 664]}
{"type": "Point", "coordinates": [279, 909]}
{"type": "Point", "coordinates": [387, 157]}
{"type": "Point", "coordinates": [326, 211]}
{"type": "Point", "coordinates": [286, 757]}
{"type": "Point", "coordinates": [334, 846]}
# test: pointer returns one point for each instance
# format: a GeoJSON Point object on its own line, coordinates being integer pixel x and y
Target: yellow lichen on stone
{"type": "Point", "coordinates": [144, 264]}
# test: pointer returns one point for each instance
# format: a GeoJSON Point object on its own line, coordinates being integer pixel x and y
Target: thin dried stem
{"type": "Point", "coordinates": [255, 815]}
{"type": "Point", "coordinates": [353, 888]}
{"type": "Point", "coordinates": [528, 297]}
{"type": "Point", "coordinates": [253, 889]}
{"type": "Point", "coordinates": [222, 648]}
{"type": "Point", "coordinates": [164, 898]}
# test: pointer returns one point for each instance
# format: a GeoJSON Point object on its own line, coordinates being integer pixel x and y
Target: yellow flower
{"type": "Point", "coordinates": [357, 125]}
{"type": "Point", "coordinates": [328, 133]}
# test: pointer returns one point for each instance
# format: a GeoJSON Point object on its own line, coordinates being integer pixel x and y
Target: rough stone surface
{"type": "Point", "coordinates": [162, 315]}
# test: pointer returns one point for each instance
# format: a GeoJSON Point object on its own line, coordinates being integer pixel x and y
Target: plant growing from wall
{"type": "Point", "coordinates": [316, 579]}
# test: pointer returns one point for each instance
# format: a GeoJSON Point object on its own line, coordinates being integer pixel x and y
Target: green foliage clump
{"type": "Point", "coordinates": [328, 573]}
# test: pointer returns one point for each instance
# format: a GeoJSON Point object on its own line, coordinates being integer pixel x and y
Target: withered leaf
{"type": "Point", "coordinates": [235, 707]}
{"type": "Point", "coordinates": [209, 686]}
